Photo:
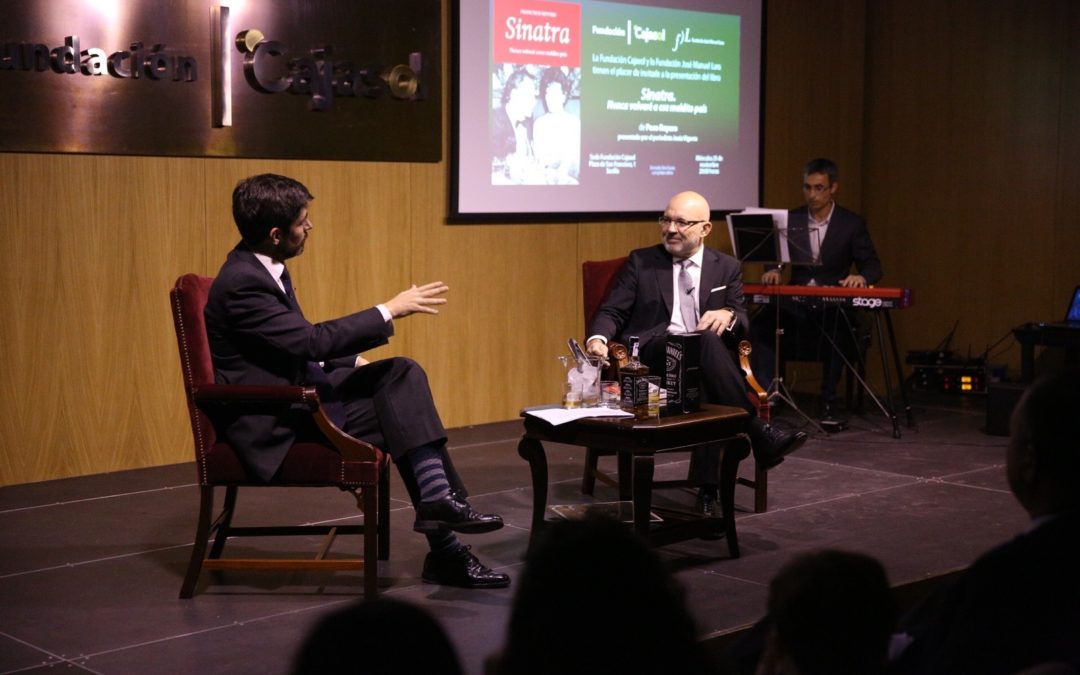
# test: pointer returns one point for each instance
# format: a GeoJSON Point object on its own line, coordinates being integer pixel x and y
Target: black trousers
{"type": "Point", "coordinates": [723, 384]}
{"type": "Point", "coordinates": [388, 403]}
{"type": "Point", "coordinates": [722, 379]}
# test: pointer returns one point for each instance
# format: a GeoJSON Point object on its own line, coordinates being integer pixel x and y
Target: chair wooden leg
{"type": "Point", "coordinates": [383, 514]}
{"type": "Point", "coordinates": [224, 521]}
{"type": "Point", "coordinates": [761, 489]}
{"type": "Point", "coordinates": [372, 535]}
{"type": "Point", "coordinates": [373, 500]}
{"type": "Point", "coordinates": [202, 535]}
{"type": "Point", "coordinates": [760, 485]}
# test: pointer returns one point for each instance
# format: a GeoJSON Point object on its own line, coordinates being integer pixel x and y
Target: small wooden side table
{"type": "Point", "coordinates": [636, 444]}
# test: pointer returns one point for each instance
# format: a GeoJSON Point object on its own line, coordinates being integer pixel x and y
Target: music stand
{"type": "Point", "coordinates": [756, 238]}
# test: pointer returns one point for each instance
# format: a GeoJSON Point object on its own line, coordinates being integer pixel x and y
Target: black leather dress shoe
{"type": "Point", "coordinates": [450, 513]}
{"type": "Point", "coordinates": [771, 444]}
{"type": "Point", "coordinates": [459, 567]}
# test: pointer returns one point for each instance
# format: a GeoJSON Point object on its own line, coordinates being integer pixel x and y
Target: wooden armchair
{"type": "Point", "coordinates": [598, 278]}
{"type": "Point", "coordinates": [337, 461]}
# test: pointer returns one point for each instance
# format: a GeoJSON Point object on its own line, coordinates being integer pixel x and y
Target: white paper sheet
{"type": "Point", "coordinates": [557, 416]}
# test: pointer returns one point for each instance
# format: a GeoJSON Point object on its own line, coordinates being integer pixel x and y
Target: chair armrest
{"type": "Point", "coordinates": [758, 391]}
{"type": "Point", "coordinates": [351, 449]}
{"type": "Point", "coordinates": [250, 393]}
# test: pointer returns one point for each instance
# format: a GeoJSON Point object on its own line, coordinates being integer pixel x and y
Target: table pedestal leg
{"type": "Point", "coordinates": [729, 470]}
{"type": "Point", "coordinates": [532, 451]}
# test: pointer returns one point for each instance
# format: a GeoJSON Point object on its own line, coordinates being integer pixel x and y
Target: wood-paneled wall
{"type": "Point", "coordinates": [814, 74]}
{"type": "Point", "coordinates": [951, 123]}
{"type": "Point", "coordinates": [971, 164]}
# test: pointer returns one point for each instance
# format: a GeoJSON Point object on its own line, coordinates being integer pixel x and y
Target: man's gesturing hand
{"type": "Point", "coordinates": [597, 347]}
{"type": "Point", "coordinates": [417, 299]}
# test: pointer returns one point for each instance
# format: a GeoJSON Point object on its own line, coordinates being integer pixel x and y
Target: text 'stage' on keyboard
{"type": "Point", "coordinates": [862, 298]}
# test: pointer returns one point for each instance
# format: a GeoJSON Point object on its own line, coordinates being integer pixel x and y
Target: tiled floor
{"type": "Point", "coordinates": [90, 567]}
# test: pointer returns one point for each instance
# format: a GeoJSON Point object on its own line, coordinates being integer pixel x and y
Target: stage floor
{"type": "Point", "coordinates": [91, 567]}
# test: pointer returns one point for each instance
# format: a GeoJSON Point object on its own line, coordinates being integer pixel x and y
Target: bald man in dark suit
{"type": "Point", "coordinates": [644, 303]}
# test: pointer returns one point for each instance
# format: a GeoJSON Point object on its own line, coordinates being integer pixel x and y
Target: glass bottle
{"type": "Point", "coordinates": [634, 380]}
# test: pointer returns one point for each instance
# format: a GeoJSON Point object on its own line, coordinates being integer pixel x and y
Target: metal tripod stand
{"type": "Point", "coordinates": [777, 389]}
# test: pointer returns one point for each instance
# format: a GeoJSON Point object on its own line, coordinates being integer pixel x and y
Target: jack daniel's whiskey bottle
{"type": "Point", "coordinates": [634, 380]}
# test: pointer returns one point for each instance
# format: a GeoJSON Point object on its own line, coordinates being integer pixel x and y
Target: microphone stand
{"type": "Point", "coordinates": [777, 389]}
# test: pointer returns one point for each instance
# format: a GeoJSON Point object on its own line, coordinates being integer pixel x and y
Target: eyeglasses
{"type": "Point", "coordinates": [679, 223]}
{"type": "Point", "coordinates": [815, 188]}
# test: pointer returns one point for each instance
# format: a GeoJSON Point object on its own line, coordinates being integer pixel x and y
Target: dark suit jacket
{"type": "Point", "coordinates": [641, 302]}
{"type": "Point", "coordinates": [258, 336]}
{"type": "Point", "coordinates": [503, 138]}
{"type": "Point", "coordinates": [1017, 606]}
{"type": "Point", "coordinates": [846, 241]}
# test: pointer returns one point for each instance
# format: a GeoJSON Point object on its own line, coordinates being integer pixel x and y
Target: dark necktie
{"type": "Point", "coordinates": [286, 281]}
{"type": "Point", "coordinates": [290, 292]}
{"type": "Point", "coordinates": [686, 298]}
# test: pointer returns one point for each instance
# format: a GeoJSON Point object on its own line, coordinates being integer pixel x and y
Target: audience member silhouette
{"type": "Point", "coordinates": [830, 613]}
{"type": "Point", "coordinates": [377, 637]}
{"type": "Point", "coordinates": [594, 598]}
{"type": "Point", "coordinates": [1018, 605]}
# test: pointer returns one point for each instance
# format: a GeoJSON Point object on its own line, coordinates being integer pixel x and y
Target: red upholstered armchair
{"type": "Point", "coordinates": [598, 277]}
{"type": "Point", "coordinates": [338, 461]}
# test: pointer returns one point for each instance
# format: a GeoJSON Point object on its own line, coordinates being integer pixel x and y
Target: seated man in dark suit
{"type": "Point", "coordinates": [825, 240]}
{"type": "Point", "coordinates": [259, 336]}
{"type": "Point", "coordinates": [644, 303]}
{"type": "Point", "coordinates": [1018, 605]}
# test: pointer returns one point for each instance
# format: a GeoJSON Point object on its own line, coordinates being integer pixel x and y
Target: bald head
{"type": "Point", "coordinates": [685, 224]}
{"type": "Point", "coordinates": [691, 203]}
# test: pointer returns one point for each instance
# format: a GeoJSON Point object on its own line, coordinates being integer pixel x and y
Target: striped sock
{"type": "Point", "coordinates": [442, 541]}
{"type": "Point", "coordinates": [427, 466]}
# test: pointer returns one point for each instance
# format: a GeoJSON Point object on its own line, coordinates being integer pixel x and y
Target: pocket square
{"type": "Point", "coordinates": [718, 288]}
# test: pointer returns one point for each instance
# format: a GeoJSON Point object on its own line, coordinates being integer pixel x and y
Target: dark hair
{"type": "Point", "coordinates": [593, 598]}
{"type": "Point", "coordinates": [825, 166]}
{"type": "Point", "coordinates": [378, 636]}
{"type": "Point", "coordinates": [553, 75]}
{"type": "Point", "coordinates": [261, 203]}
{"type": "Point", "coordinates": [833, 613]}
{"type": "Point", "coordinates": [513, 81]}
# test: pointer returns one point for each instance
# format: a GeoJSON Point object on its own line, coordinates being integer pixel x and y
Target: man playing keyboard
{"type": "Point", "coordinates": [825, 241]}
